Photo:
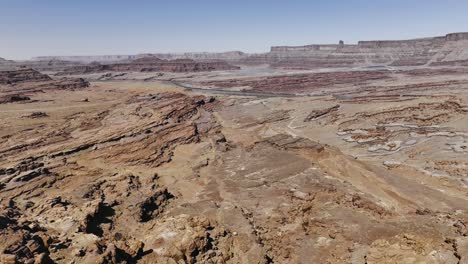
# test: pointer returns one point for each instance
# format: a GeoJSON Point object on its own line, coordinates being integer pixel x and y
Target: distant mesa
{"type": "Point", "coordinates": [448, 50]}
{"type": "Point", "coordinates": [197, 56]}
{"type": "Point", "coordinates": [5, 61]}
{"type": "Point", "coordinates": [87, 59]}
{"type": "Point", "coordinates": [376, 43]}
{"type": "Point", "coordinates": [457, 36]}
{"type": "Point", "coordinates": [151, 64]}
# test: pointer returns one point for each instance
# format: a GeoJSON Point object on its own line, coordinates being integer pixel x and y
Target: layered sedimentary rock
{"type": "Point", "coordinates": [47, 65]}
{"type": "Point", "coordinates": [87, 59]}
{"type": "Point", "coordinates": [38, 65]}
{"type": "Point", "coordinates": [94, 219]}
{"type": "Point", "coordinates": [349, 85]}
{"type": "Point", "coordinates": [413, 52]}
{"type": "Point", "coordinates": [336, 166]}
{"type": "Point", "coordinates": [302, 83]}
{"type": "Point", "coordinates": [24, 75]}
{"type": "Point", "coordinates": [230, 56]}
{"type": "Point", "coordinates": [122, 172]}
{"type": "Point", "coordinates": [22, 85]}
{"type": "Point", "coordinates": [457, 36]}
{"type": "Point", "coordinates": [449, 50]}
{"type": "Point", "coordinates": [151, 64]}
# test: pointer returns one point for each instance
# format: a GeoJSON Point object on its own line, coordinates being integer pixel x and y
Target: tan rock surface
{"type": "Point", "coordinates": [145, 172]}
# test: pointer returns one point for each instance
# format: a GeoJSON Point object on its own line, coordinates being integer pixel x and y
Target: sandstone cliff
{"type": "Point", "coordinates": [451, 49]}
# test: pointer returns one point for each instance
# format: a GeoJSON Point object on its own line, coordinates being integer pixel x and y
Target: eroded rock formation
{"type": "Point", "coordinates": [24, 75]}
{"type": "Point", "coordinates": [299, 83]}
{"type": "Point", "coordinates": [337, 166]}
{"type": "Point", "coordinates": [22, 85]}
{"type": "Point", "coordinates": [151, 64]}
{"type": "Point", "coordinates": [436, 51]}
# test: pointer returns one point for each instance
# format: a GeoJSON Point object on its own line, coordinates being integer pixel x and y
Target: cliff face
{"type": "Point", "coordinates": [415, 43]}
{"type": "Point", "coordinates": [457, 36]}
{"type": "Point", "coordinates": [377, 44]}
{"type": "Point", "coordinates": [294, 48]}
{"type": "Point", "coordinates": [414, 52]}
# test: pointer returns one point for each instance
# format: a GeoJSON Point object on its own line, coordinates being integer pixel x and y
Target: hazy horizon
{"type": "Point", "coordinates": [64, 28]}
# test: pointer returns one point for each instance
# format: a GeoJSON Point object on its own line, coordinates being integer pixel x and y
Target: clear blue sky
{"type": "Point", "coordinates": [90, 27]}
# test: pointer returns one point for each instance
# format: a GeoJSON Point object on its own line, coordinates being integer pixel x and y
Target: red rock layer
{"type": "Point", "coordinates": [303, 82]}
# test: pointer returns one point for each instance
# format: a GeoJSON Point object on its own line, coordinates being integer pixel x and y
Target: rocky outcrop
{"type": "Point", "coordinates": [65, 84]}
{"type": "Point", "coordinates": [23, 75]}
{"type": "Point", "coordinates": [288, 142]}
{"type": "Point", "coordinates": [20, 86]}
{"type": "Point", "coordinates": [13, 98]}
{"type": "Point", "coordinates": [358, 166]}
{"type": "Point", "coordinates": [37, 114]}
{"type": "Point", "coordinates": [457, 36]}
{"type": "Point", "coordinates": [321, 113]}
{"type": "Point", "coordinates": [101, 220]}
{"type": "Point", "coordinates": [145, 175]}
